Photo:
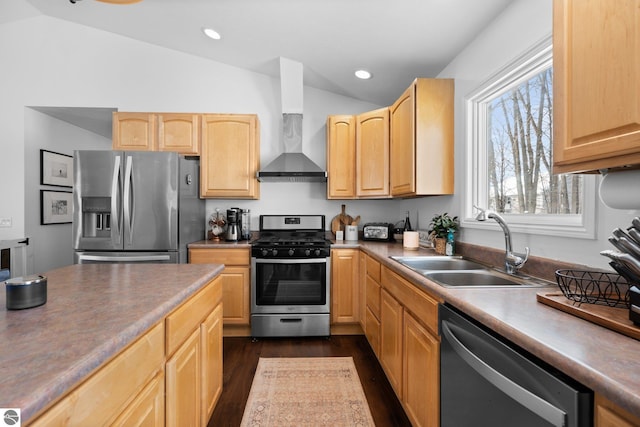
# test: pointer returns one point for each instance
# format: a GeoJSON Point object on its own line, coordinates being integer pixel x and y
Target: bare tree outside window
{"type": "Point", "coordinates": [519, 153]}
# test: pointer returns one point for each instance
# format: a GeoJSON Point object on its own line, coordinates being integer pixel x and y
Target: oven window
{"type": "Point", "coordinates": [291, 284]}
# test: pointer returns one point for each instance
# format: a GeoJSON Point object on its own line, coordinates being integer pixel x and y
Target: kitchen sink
{"type": "Point", "coordinates": [471, 278]}
{"type": "Point", "coordinates": [429, 263]}
{"type": "Point", "coordinates": [456, 271]}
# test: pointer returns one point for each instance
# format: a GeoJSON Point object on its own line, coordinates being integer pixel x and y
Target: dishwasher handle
{"type": "Point", "coordinates": [539, 406]}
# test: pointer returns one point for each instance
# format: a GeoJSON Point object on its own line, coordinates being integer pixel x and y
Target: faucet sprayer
{"type": "Point", "coordinates": [512, 261]}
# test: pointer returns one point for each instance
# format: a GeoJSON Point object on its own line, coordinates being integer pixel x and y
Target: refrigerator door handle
{"type": "Point", "coordinates": [128, 211]}
{"type": "Point", "coordinates": [133, 258]}
{"type": "Point", "coordinates": [115, 197]}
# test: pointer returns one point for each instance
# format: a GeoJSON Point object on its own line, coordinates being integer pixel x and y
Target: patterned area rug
{"type": "Point", "coordinates": [306, 391]}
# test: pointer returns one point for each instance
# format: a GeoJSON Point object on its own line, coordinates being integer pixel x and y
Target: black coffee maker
{"type": "Point", "coordinates": [233, 225]}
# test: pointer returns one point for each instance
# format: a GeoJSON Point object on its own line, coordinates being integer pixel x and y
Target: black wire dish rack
{"type": "Point", "coordinates": [594, 287]}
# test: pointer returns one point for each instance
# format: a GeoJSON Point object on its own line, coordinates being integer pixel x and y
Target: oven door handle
{"type": "Point", "coordinates": [535, 404]}
{"type": "Point", "coordinates": [290, 260]}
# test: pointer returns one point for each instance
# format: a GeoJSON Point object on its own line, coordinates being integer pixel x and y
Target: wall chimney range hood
{"type": "Point", "coordinates": [292, 165]}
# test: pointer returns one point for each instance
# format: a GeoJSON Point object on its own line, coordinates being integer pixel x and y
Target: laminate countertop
{"type": "Point", "coordinates": [93, 311]}
{"type": "Point", "coordinates": [605, 361]}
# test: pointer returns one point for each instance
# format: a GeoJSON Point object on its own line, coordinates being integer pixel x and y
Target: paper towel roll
{"type": "Point", "coordinates": [621, 190]}
{"type": "Point", "coordinates": [411, 240]}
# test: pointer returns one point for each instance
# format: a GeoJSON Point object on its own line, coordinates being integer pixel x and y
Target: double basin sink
{"type": "Point", "coordinates": [455, 271]}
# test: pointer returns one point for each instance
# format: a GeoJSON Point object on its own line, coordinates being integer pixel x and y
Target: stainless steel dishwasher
{"type": "Point", "coordinates": [487, 381]}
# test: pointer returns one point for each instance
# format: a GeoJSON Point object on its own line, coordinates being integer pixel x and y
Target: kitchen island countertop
{"type": "Point", "coordinates": [603, 360]}
{"type": "Point", "coordinates": [93, 311]}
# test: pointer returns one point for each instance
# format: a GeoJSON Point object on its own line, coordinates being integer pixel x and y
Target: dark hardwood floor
{"type": "Point", "coordinates": [241, 360]}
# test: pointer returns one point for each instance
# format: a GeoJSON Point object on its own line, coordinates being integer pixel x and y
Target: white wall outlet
{"type": "Point", "coordinates": [5, 222]}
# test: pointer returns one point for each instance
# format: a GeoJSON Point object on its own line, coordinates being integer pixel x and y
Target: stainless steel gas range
{"type": "Point", "coordinates": [290, 277]}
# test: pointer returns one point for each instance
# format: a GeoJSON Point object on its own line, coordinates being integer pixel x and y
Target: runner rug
{"type": "Point", "coordinates": [306, 391]}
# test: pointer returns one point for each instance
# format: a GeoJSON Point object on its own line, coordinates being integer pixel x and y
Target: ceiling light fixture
{"type": "Point", "coordinates": [213, 34]}
{"type": "Point", "coordinates": [363, 74]}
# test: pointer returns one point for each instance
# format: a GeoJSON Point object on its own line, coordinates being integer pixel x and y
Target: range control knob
{"type": "Point", "coordinates": [264, 252]}
{"type": "Point", "coordinates": [307, 252]}
{"type": "Point", "coordinates": [317, 252]}
{"type": "Point", "coordinates": [274, 252]}
{"type": "Point", "coordinates": [291, 252]}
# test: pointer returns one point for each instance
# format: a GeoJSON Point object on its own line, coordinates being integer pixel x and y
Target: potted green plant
{"type": "Point", "coordinates": [439, 228]}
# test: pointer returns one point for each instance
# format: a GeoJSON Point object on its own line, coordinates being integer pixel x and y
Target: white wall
{"type": "Point", "coordinates": [50, 244]}
{"type": "Point", "coordinates": [56, 63]}
{"type": "Point", "coordinates": [50, 62]}
{"type": "Point", "coordinates": [522, 25]}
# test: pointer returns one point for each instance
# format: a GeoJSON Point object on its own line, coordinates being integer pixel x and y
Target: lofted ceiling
{"type": "Point", "coordinates": [395, 40]}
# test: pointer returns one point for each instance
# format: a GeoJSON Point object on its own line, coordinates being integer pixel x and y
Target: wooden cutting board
{"type": "Point", "coordinates": [614, 318]}
{"type": "Point", "coordinates": [339, 221]}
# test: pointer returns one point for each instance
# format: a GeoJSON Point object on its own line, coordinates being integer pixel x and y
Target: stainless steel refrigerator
{"type": "Point", "coordinates": [134, 206]}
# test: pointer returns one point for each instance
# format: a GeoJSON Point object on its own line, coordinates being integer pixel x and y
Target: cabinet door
{"type": "Point", "coordinates": [372, 331]}
{"type": "Point", "coordinates": [422, 144]}
{"type": "Point", "coordinates": [183, 392]}
{"type": "Point", "coordinates": [230, 156]}
{"type": "Point", "coordinates": [345, 281]}
{"type": "Point", "coordinates": [341, 155]}
{"type": "Point", "coordinates": [420, 379]}
{"type": "Point", "coordinates": [211, 372]}
{"type": "Point", "coordinates": [402, 144]}
{"type": "Point", "coordinates": [372, 153]}
{"type": "Point", "coordinates": [179, 132]}
{"type": "Point", "coordinates": [596, 81]}
{"type": "Point", "coordinates": [147, 410]}
{"type": "Point", "coordinates": [607, 414]}
{"type": "Point", "coordinates": [391, 340]}
{"type": "Point", "coordinates": [134, 131]}
{"type": "Point", "coordinates": [236, 282]}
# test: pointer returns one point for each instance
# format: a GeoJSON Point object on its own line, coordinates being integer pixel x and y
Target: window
{"type": "Point", "coordinates": [509, 137]}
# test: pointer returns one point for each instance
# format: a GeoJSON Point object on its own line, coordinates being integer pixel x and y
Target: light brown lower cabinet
{"type": "Point", "coordinates": [410, 347]}
{"type": "Point", "coordinates": [608, 414]}
{"type": "Point", "coordinates": [391, 340]}
{"type": "Point", "coordinates": [173, 372]}
{"type": "Point", "coordinates": [421, 373]}
{"type": "Point", "coordinates": [236, 280]}
{"type": "Point", "coordinates": [345, 280]}
{"type": "Point", "coordinates": [194, 351]}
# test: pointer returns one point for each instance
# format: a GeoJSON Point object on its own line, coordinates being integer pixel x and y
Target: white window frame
{"type": "Point", "coordinates": [521, 69]}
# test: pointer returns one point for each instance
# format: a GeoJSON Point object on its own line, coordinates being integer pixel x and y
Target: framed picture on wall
{"type": "Point", "coordinates": [56, 169]}
{"type": "Point", "coordinates": [55, 207]}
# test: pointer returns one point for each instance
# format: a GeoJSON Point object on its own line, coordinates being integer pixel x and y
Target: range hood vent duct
{"type": "Point", "coordinates": [292, 165]}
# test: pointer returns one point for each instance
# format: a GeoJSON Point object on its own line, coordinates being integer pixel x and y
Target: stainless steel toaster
{"type": "Point", "coordinates": [381, 231]}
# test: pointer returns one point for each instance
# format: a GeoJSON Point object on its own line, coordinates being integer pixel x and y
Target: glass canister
{"type": "Point", "coordinates": [245, 224]}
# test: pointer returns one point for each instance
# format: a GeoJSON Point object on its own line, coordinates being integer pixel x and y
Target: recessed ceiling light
{"type": "Point", "coordinates": [213, 34]}
{"type": "Point", "coordinates": [363, 74]}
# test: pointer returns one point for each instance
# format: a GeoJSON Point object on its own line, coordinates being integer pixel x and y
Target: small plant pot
{"type": "Point", "coordinates": [440, 244]}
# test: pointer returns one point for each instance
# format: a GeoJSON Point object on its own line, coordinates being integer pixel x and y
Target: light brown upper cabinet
{"type": "Point", "coordinates": [179, 132]}
{"type": "Point", "coordinates": [372, 153]}
{"type": "Point", "coordinates": [341, 152]}
{"type": "Point", "coordinates": [596, 81]}
{"type": "Point", "coordinates": [421, 144]}
{"type": "Point", "coordinates": [230, 156]}
{"type": "Point", "coordinates": [358, 155]}
{"type": "Point", "coordinates": [134, 131]}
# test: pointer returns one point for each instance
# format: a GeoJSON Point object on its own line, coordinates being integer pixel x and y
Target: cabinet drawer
{"type": "Point", "coordinates": [105, 394]}
{"type": "Point", "coordinates": [181, 323]}
{"type": "Point", "coordinates": [373, 269]}
{"type": "Point", "coordinates": [373, 296]}
{"type": "Point", "coordinates": [423, 307]}
{"type": "Point", "coordinates": [220, 256]}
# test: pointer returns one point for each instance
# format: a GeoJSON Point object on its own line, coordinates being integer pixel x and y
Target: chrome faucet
{"type": "Point", "coordinates": [512, 261]}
